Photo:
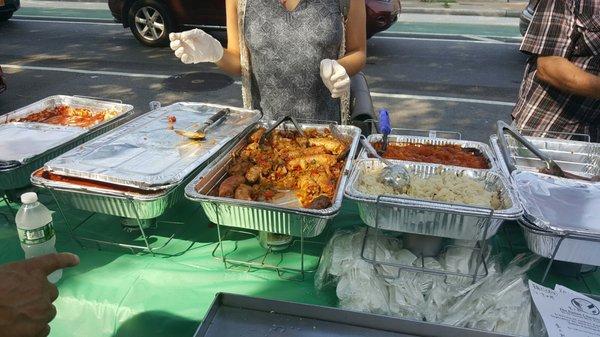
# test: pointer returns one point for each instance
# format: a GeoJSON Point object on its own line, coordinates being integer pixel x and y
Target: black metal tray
{"type": "Point", "coordinates": [236, 315]}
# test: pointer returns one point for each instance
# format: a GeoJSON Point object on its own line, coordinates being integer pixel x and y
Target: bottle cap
{"type": "Point", "coordinates": [29, 198]}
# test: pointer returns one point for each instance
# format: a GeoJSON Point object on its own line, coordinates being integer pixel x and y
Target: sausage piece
{"type": "Point", "coordinates": [243, 192]}
{"type": "Point", "coordinates": [320, 202]}
{"type": "Point", "coordinates": [229, 185]}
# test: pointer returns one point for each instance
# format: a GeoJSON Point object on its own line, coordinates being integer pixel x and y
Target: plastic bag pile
{"type": "Point", "coordinates": [499, 302]}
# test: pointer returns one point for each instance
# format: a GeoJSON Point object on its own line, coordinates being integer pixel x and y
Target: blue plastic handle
{"type": "Point", "coordinates": [385, 126]}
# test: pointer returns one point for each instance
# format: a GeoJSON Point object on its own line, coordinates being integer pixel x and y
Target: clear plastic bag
{"type": "Point", "coordinates": [499, 302]}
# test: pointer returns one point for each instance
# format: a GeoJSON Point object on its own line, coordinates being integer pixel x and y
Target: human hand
{"type": "Point", "coordinates": [26, 296]}
{"type": "Point", "coordinates": [335, 77]}
{"type": "Point", "coordinates": [195, 46]}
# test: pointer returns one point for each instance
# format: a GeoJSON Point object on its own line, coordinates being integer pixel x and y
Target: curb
{"type": "Point", "coordinates": [466, 12]}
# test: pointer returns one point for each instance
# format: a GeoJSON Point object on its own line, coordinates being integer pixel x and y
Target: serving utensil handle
{"type": "Point", "coordinates": [367, 145]}
{"type": "Point", "coordinates": [279, 122]}
{"type": "Point", "coordinates": [502, 129]}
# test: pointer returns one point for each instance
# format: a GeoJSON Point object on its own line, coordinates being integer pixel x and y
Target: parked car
{"type": "Point", "coordinates": [151, 21]}
{"type": "Point", "coordinates": [2, 84]}
{"type": "Point", "coordinates": [7, 8]}
{"type": "Point", "coordinates": [527, 16]}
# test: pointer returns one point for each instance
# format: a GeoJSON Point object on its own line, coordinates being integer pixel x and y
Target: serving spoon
{"type": "Point", "coordinates": [393, 175]}
{"type": "Point", "coordinates": [200, 134]}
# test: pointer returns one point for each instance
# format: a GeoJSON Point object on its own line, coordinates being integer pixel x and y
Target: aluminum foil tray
{"type": "Point", "coordinates": [483, 148]}
{"type": "Point", "coordinates": [147, 154]}
{"type": "Point", "coordinates": [573, 248]}
{"type": "Point", "coordinates": [27, 146]}
{"type": "Point", "coordinates": [433, 218]}
{"type": "Point", "coordinates": [581, 158]}
{"type": "Point", "coordinates": [236, 315]}
{"type": "Point", "coordinates": [106, 201]}
{"type": "Point", "coordinates": [262, 215]}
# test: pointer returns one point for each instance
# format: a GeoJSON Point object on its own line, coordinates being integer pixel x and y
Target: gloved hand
{"type": "Point", "coordinates": [335, 77]}
{"type": "Point", "coordinates": [195, 46]}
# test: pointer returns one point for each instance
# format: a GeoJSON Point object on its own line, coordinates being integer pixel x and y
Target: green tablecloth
{"type": "Point", "coordinates": [117, 293]}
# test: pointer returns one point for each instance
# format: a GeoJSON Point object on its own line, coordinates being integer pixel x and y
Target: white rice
{"type": "Point", "coordinates": [445, 187]}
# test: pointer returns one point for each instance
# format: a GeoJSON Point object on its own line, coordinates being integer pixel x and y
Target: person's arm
{"type": "Point", "coordinates": [565, 76]}
{"type": "Point", "coordinates": [356, 38]}
{"type": "Point", "coordinates": [26, 296]}
{"type": "Point", "coordinates": [230, 62]}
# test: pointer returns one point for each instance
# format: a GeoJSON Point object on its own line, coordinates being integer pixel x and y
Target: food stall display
{"type": "Point", "coordinates": [560, 214]}
{"type": "Point", "coordinates": [443, 201]}
{"type": "Point", "coordinates": [291, 185]}
{"type": "Point", "coordinates": [45, 129]}
{"type": "Point", "coordinates": [443, 151]}
{"type": "Point", "coordinates": [137, 170]}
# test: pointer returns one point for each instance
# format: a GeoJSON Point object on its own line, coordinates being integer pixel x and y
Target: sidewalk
{"type": "Point", "coordinates": [500, 8]}
{"type": "Point", "coordinates": [493, 8]}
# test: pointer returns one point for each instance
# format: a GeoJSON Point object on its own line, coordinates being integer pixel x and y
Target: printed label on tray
{"type": "Point", "coordinates": [36, 236]}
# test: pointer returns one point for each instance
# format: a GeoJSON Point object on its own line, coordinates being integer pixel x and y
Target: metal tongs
{"type": "Point", "coordinates": [212, 121]}
{"type": "Point", "coordinates": [393, 175]}
{"type": "Point", "coordinates": [279, 122]}
{"type": "Point", "coordinates": [551, 168]}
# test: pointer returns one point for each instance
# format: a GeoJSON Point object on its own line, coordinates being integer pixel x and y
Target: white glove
{"type": "Point", "coordinates": [195, 46]}
{"type": "Point", "coordinates": [335, 77]}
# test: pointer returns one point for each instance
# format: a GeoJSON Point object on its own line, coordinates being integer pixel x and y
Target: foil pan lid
{"type": "Point", "coordinates": [558, 204]}
{"type": "Point", "coordinates": [23, 141]}
{"type": "Point", "coordinates": [147, 153]}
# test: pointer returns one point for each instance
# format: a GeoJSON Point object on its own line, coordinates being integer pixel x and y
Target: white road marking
{"type": "Point", "coordinates": [440, 98]}
{"type": "Point", "coordinates": [382, 35]}
{"type": "Point", "coordinates": [440, 40]}
{"type": "Point", "coordinates": [481, 38]}
{"type": "Point", "coordinates": [50, 19]}
{"type": "Point", "coordinates": [142, 75]}
{"type": "Point", "coordinates": [81, 71]}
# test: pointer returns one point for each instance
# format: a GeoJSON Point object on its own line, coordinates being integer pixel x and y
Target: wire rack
{"type": "Point", "coordinates": [146, 229]}
{"type": "Point", "coordinates": [480, 251]}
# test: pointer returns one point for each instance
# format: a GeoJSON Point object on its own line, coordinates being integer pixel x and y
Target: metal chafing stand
{"type": "Point", "coordinates": [434, 219]}
{"type": "Point", "coordinates": [140, 169]}
{"type": "Point", "coordinates": [301, 223]}
{"type": "Point", "coordinates": [27, 146]}
{"type": "Point", "coordinates": [543, 237]}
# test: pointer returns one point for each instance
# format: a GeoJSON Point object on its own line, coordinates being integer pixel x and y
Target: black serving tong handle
{"type": "Point", "coordinates": [551, 165]}
{"type": "Point", "coordinates": [279, 122]}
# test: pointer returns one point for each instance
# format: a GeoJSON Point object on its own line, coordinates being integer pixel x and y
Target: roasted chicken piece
{"type": "Point", "coordinates": [255, 136]}
{"type": "Point", "coordinates": [312, 160]}
{"type": "Point", "coordinates": [239, 167]}
{"type": "Point", "coordinates": [332, 145]}
{"type": "Point", "coordinates": [253, 174]}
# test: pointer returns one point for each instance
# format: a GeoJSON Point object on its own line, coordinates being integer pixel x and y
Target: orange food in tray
{"type": "Point", "coordinates": [449, 154]}
{"type": "Point", "coordinates": [69, 116]}
{"type": "Point", "coordinates": [309, 166]}
{"type": "Point", "coordinates": [79, 182]}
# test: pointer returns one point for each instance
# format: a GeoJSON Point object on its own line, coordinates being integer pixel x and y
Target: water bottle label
{"type": "Point", "coordinates": [35, 236]}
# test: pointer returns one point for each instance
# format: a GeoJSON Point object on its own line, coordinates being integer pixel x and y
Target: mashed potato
{"type": "Point", "coordinates": [445, 187]}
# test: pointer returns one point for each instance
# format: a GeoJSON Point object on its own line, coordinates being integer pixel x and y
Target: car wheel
{"type": "Point", "coordinates": [150, 23]}
{"type": "Point", "coordinates": [5, 16]}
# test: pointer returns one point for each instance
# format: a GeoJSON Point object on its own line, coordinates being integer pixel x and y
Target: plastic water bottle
{"type": "Point", "coordinates": [36, 231]}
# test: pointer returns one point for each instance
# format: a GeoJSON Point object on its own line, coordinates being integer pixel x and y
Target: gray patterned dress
{"type": "Point", "coordinates": [286, 48]}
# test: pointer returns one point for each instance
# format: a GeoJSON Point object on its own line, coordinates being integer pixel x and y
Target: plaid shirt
{"type": "Point", "coordinates": [569, 29]}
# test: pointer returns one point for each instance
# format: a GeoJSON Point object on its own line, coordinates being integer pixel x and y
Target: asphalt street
{"type": "Point", "coordinates": [460, 80]}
